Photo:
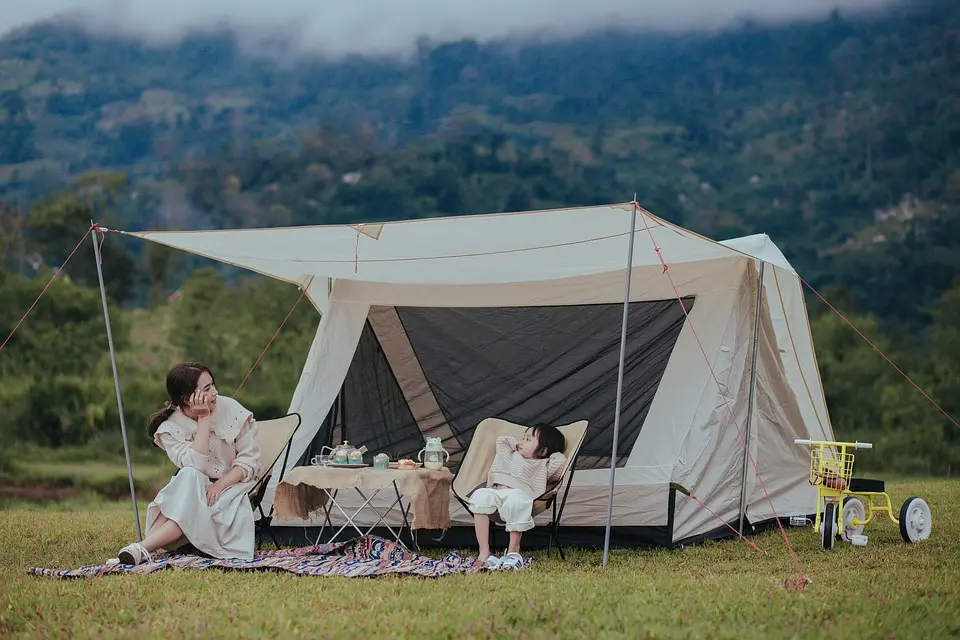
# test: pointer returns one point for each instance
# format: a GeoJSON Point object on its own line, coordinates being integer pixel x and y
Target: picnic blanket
{"type": "Point", "coordinates": [366, 556]}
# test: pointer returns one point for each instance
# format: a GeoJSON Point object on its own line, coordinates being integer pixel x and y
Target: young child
{"type": "Point", "coordinates": [520, 473]}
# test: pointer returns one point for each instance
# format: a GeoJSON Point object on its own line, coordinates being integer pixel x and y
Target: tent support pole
{"type": "Point", "coordinates": [116, 384]}
{"type": "Point", "coordinates": [616, 415]}
{"type": "Point", "coordinates": [751, 398]}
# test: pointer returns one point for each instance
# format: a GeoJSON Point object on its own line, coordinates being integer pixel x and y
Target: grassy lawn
{"type": "Point", "coordinates": [71, 471]}
{"type": "Point", "coordinates": [887, 589]}
{"type": "Point", "coordinates": [96, 474]}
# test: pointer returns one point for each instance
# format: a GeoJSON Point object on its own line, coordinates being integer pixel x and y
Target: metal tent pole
{"type": "Point", "coordinates": [116, 385]}
{"type": "Point", "coordinates": [750, 398]}
{"type": "Point", "coordinates": [616, 416]}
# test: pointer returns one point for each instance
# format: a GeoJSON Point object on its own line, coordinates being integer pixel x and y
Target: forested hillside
{"type": "Point", "coordinates": [839, 138]}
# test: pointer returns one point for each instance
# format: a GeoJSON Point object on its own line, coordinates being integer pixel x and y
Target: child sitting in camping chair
{"type": "Point", "coordinates": [520, 472]}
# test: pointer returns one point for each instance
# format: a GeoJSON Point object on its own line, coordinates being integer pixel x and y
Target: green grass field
{"type": "Point", "coordinates": [887, 589]}
{"type": "Point", "coordinates": [34, 472]}
{"type": "Point", "coordinates": [95, 473]}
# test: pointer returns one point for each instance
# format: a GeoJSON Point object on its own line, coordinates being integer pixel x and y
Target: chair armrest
{"type": "Point", "coordinates": [551, 491]}
{"type": "Point", "coordinates": [470, 492]}
{"type": "Point", "coordinates": [257, 492]}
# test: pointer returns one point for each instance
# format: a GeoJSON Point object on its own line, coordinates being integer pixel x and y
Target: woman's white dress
{"type": "Point", "coordinates": [226, 529]}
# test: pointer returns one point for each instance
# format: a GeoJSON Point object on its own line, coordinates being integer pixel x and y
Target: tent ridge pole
{"type": "Point", "coordinates": [116, 382]}
{"type": "Point", "coordinates": [751, 397]}
{"type": "Point", "coordinates": [616, 415]}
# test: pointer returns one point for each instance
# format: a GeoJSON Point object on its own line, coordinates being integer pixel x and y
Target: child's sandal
{"type": "Point", "coordinates": [511, 561]}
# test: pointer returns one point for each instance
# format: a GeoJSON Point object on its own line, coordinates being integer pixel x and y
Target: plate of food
{"type": "Point", "coordinates": [347, 465]}
{"type": "Point", "coordinates": [405, 464]}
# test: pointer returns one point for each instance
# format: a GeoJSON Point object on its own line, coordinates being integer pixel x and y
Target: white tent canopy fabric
{"type": "Point", "coordinates": [571, 257]}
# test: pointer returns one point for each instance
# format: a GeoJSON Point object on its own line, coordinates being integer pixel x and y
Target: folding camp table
{"type": "Point", "coordinates": [367, 504]}
{"type": "Point", "coordinates": [307, 489]}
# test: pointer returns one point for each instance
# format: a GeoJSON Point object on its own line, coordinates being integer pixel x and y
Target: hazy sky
{"type": "Point", "coordinates": [392, 26]}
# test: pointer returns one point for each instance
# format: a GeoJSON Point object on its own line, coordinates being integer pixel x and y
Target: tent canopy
{"type": "Point", "coordinates": [407, 306]}
{"type": "Point", "coordinates": [462, 250]}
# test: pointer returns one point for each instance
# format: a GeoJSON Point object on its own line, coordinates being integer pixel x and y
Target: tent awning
{"type": "Point", "coordinates": [482, 249]}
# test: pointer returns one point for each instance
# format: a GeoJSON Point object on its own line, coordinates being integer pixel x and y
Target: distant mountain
{"type": "Point", "coordinates": [839, 138]}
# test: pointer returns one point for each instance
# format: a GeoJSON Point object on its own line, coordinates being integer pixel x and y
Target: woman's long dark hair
{"type": "Point", "coordinates": [181, 383]}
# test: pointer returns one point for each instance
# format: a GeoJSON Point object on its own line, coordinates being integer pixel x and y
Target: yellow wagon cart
{"type": "Point", "coordinates": [849, 504]}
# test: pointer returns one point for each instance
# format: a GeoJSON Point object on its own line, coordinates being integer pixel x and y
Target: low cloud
{"type": "Point", "coordinates": [385, 27]}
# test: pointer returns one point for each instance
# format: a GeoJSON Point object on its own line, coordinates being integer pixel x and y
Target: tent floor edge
{"type": "Point", "coordinates": [464, 537]}
{"type": "Point", "coordinates": [724, 532]}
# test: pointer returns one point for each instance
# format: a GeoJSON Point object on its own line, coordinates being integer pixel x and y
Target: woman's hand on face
{"type": "Point", "coordinates": [200, 404]}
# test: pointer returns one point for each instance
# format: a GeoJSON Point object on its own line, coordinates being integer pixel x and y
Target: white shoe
{"type": "Point", "coordinates": [511, 561]}
{"type": "Point", "coordinates": [493, 563]}
{"type": "Point", "coordinates": [134, 553]}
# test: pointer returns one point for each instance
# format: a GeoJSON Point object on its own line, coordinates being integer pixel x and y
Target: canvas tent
{"type": "Point", "coordinates": [428, 326]}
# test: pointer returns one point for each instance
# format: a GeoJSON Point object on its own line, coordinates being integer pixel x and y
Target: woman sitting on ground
{"type": "Point", "coordinates": [213, 440]}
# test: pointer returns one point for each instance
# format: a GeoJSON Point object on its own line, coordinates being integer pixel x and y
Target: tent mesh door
{"type": "Point", "coordinates": [529, 365]}
{"type": "Point", "coordinates": [545, 365]}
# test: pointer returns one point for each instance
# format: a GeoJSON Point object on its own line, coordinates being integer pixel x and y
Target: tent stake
{"type": "Point", "coordinates": [750, 398]}
{"type": "Point", "coordinates": [116, 384]}
{"type": "Point", "coordinates": [616, 415]}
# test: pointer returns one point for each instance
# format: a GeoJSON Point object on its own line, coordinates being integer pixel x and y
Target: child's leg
{"type": "Point", "coordinates": [483, 502]}
{"type": "Point", "coordinates": [515, 542]}
{"type": "Point", "coordinates": [517, 513]}
{"type": "Point", "coordinates": [481, 524]}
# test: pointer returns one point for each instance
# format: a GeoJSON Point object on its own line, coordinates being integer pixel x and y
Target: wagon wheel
{"type": "Point", "coordinates": [915, 520]}
{"type": "Point", "coordinates": [853, 508]}
{"type": "Point", "coordinates": [829, 526]}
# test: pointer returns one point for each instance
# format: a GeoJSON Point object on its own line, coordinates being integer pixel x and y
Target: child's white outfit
{"type": "Point", "coordinates": [513, 483]}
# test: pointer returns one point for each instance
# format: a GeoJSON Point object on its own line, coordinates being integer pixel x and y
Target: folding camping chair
{"type": "Point", "coordinates": [274, 436]}
{"type": "Point", "coordinates": [473, 471]}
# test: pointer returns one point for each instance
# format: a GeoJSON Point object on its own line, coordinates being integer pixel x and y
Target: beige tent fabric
{"type": "Point", "coordinates": [473, 471]}
{"type": "Point", "coordinates": [778, 419]}
{"type": "Point", "coordinates": [715, 458]}
{"type": "Point", "coordinates": [710, 461]}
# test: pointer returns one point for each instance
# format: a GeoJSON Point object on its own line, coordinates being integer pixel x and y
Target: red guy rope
{"type": "Point", "coordinates": [55, 276]}
{"type": "Point", "coordinates": [303, 292]}
{"type": "Point", "coordinates": [727, 524]}
{"type": "Point", "coordinates": [883, 355]}
{"type": "Point", "coordinates": [676, 291]}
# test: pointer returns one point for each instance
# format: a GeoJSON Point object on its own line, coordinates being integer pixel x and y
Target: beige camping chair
{"type": "Point", "coordinates": [274, 436]}
{"type": "Point", "coordinates": [473, 471]}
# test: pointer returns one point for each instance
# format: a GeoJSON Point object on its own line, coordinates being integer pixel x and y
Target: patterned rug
{"type": "Point", "coordinates": [367, 556]}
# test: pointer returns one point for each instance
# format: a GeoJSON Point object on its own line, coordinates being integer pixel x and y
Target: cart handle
{"type": "Point", "coordinates": [855, 445]}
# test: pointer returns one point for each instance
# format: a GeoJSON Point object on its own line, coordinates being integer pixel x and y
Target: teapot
{"type": "Point", "coordinates": [345, 453]}
{"type": "Point", "coordinates": [431, 455]}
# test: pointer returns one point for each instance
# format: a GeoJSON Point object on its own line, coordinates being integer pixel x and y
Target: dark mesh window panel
{"type": "Point", "coordinates": [329, 428]}
{"type": "Point", "coordinates": [552, 365]}
{"type": "Point", "coordinates": [375, 412]}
